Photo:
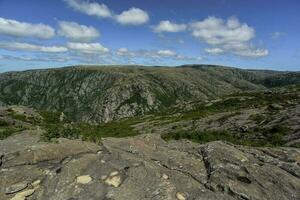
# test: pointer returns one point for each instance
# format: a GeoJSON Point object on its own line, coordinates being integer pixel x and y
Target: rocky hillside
{"type": "Point", "coordinates": [243, 146]}
{"type": "Point", "coordinates": [102, 94]}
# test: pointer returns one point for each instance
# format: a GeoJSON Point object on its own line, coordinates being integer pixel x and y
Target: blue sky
{"type": "Point", "coordinates": [252, 34]}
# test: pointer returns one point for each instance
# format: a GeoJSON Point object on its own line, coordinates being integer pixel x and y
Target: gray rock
{"type": "Point", "coordinates": [16, 187]}
{"type": "Point", "coordinates": [155, 170]}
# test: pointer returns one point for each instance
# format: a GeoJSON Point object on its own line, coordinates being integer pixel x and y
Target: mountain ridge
{"type": "Point", "coordinates": [106, 93]}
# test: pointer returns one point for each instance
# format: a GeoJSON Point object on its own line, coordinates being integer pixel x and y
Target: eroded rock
{"type": "Point", "coordinates": [16, 187]}
{"type": "Point", "coordinates": [161, 171]}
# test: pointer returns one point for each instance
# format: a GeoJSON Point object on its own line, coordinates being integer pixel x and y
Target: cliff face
{"type": "Point", "coordinates": [102, 94]}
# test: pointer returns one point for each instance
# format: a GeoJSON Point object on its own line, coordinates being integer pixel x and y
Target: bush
{"type": "Point", "coordinates": [8, 131]}
{"type": "Point", "coordinates": [201, 137]}
{"type": "Point", "coordinates": [60, 131]}
{"type": "Point", "coordinates": [3, 122]}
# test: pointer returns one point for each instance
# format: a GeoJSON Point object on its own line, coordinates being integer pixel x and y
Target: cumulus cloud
{"type": "Point", "coordinates": [32, 47]}
{"type": "Point", "coordinates": [155, 56]}
{"type": "Point", "coordinates": [87, 48]}
{"type": "Point", "coordinates": [146, 53]}
{"type": "Point", "coordinates": [214, 51]}
{"type": "Point", "coordinates": [227, 36]}
{"type": "Point", "coordinates": [277, 35]}
{"type": "Point", "coordinates": [216, 31]}
{"type": "Point", "coordinates": [166, 52]}
{"type": "Point", "coordinates": [133, 16]}
{"type": "Point", "coordinates": [90, 8]}
{"type": "Point", "coordinates": [77, 32]}
{"type": "Point", "coordinates": [22, 29]}
{"type": "Point", "coordinates": [167, 26]}
{"type": "Point", "coordinates": [125, 52]}
{"type": "Point", "coordinates": [245, 50]}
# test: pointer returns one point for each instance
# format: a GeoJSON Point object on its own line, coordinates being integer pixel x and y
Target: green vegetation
{"type": "Point", "coordinates": [23, 117]}
{"type": "Point", "coordinates": [6, 131]}
{"type": "Point", "coordinates": [225, 117]}
{"type": "Point", "coordinates": [3, 122]}
{"type": "Point", "coordinates": [50, 117]}
{"type": "Point", "coordinates": [272, 137]}
{"type": "Point", "coordinates": [200, 137]}
{"type": "Point", "coordinates": [258, 118]}
{"type": "Point", "coordinates": [55, 129]}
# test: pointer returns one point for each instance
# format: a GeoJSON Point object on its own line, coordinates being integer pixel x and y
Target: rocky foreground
{"type": "Point", "coordinates": [144, 167]}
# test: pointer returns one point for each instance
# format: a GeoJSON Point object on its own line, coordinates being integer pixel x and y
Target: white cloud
{"type": "Point", "coordinates": [245, 50]}
{"type": "Point", "coordinates": [180, 41]}
{"type": "Point", "coordinates": [133, 16]}
{"type": "Point", "coordinates": [230, 36]}
{"type": "Point", "coordinates": [166, 53]}
{"type": "Point", "coordinates": [277, 35]}
{"type": "Point", "coordinates": [158, 55]}
{"type": "Point", "coordinates": [252, 53]}
{"type": "Point", "coordinates": [214, 51]}
{"type": "Point", "coordinates": [32, 47]}
{"type": "Point", "coordinates": [90, 8]}
{"type": "Point", "coordinates": [55, 58]}
{"type": "Point", "coordinates": [87, 48]}
{"type": "Point", "coordinates": [22, 29]}
{"type": "Point", "coordinates": [167, 26]}
{"type": "Point", "coordinates": [77, 32]}
{"type": "Point", "coordinates": [125, 52]}
{"type": "Point", "coordinates": [146, 53]}
{"type": "Point", "coordinates": [215, 31]}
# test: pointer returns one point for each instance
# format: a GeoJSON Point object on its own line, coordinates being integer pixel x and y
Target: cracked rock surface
{"type": "Point", "coordinates": [145, 167]}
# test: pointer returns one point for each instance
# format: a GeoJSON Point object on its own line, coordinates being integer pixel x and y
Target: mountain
{"type": "Point", "coordinates": [105, 93]}
{"type": "Point", "coordinates": [188, 132]}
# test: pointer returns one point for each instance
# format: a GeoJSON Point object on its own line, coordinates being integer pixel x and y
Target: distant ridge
{"type": "Point", "coordinates": [106, 93]}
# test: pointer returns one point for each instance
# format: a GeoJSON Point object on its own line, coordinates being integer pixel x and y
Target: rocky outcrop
{"type": "Point", "coordinates": [145, 167]}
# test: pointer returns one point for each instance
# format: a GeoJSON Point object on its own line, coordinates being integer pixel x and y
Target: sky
{"type": "Point", "coordinates": [256, 34]}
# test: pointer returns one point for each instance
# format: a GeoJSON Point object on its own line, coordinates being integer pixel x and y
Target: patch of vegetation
{"type": "Point", "coordinates": [275, 135]}
{"type": "Point", "coordinates": [225, 117]}
{"type": "Point", "coordinates": [3, 122]}
{"type": "Point", "coordinates": [201, 137]}
{"type": "Point", "coordinates": [18, 116]}
{"type": "Point", "coordinates": [258, 118]}
{"type": "Point", "coordinates": [56, 129]}
{"type": "Point", "coordinates": [50, 117]}
{"type": "Point", "coordinates": [272, 137]}
{"type": "Point", "coordinates": [23, 117]}
{"type": "Point", "coordinates": [7, 131]}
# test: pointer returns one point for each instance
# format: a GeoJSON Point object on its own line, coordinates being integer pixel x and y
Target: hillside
{"type": "Point", "coordinates": [190, 132]}
{"type": "Point", "coordinates": [37, 161]}
{"type": "Point", "coordinates": [102, 94]}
